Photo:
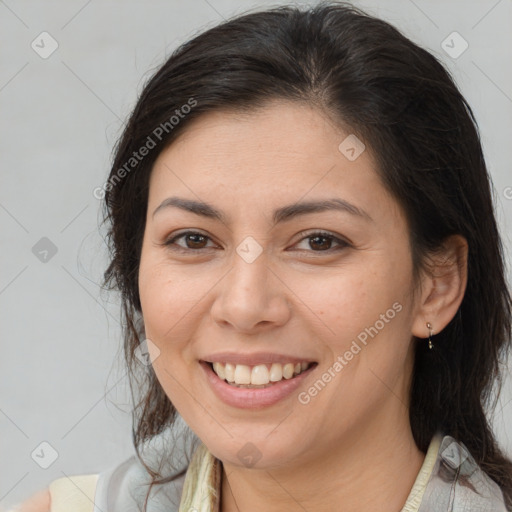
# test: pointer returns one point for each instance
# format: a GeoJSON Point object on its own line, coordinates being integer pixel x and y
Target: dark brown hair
{"type": "Point", "coordinates": [400, 100]}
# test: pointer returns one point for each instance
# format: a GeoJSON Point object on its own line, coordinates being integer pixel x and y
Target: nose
{"type": "Point", "coordinates": [251, 297]}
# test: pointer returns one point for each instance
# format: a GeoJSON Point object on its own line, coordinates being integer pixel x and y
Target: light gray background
{"type": "Point", "coordinates": [61, 378]}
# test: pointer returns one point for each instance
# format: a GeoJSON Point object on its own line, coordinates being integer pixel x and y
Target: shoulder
{"type": "Point", "coordinates": [39, 502]}
{"type": "Point", "coordinates": [457, 482]}
{"type": "Point", "coordinates": [77, 491]}
{"type": "Point", "coordinates": [123, 486]}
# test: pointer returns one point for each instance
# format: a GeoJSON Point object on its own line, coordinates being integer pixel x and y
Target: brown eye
{"type": "Point", "coordinates": [195, 241]}
{"type": "Point", "coordinates": [322, 242]}
{"type": "Point", "coordinates": [192, 240]}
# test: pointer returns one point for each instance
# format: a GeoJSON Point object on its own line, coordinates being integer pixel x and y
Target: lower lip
{"type": "Point", "coordinates": [257, 398]}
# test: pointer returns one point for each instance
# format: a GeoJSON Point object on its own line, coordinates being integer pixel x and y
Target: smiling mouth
{"type": "Point", "coordinates": [258, 376]}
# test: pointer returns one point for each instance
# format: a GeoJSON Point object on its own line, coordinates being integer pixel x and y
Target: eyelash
{"type": "Point", "coordinates": [325, 234]}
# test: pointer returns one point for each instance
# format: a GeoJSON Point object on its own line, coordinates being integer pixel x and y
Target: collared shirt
{"type": "Point", "coordinates": [449, 481]}
{"type": "Point", "coordinates": [203, 482]}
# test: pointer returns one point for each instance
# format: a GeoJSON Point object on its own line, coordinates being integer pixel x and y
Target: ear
{"type": "Point", "coordinates": [443, 285]}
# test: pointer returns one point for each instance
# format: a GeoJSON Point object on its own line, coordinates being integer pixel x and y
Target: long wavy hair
{"type": "Point", "coordinates": [400, 100]}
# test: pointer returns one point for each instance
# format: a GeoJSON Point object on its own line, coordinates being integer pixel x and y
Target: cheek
{"type": "Point", "coordinates": [363, 316]}
{"type": "Point", "coordinates": [154, 288]}
{"type": "Point", "coordinates": [174, 302]}
{"type": "Point", "coordinates": [362, 320]}
{"type": "Point", "coordinates": [348, 302]}
{"type": "Point", "coordinates": [169, 303]}
{"type": "Point", "coordinates": [165, 301]}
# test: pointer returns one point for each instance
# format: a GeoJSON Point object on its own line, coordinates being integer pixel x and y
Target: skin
{"type": "Point", "coordinates": [352, 443]}
{"type": "Point", "coordinates": [39, 502]}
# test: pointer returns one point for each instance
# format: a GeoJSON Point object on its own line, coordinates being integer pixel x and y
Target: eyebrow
{"type": "Point", "coordinates": [282, 214]}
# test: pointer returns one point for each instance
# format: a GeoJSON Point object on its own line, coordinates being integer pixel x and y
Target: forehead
{"type": "Point", "coordinates": [283, 130]}
{"type": "Point", "coordinates": [283, 152]}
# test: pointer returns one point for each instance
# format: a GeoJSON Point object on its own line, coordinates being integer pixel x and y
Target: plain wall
{"type": "Point", "coordinates": [62, 378]}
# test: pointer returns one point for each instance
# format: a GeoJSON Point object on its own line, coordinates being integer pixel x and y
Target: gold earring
{"type": "Point", "coordinates": [430, 344]}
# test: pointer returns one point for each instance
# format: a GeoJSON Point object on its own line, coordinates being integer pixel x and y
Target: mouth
{"type": "Point", "coordinates": [258, 376]}
{"type": "Point", "coordinates": [258, 386]}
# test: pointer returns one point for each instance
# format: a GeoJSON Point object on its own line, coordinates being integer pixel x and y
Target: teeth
{"type": "Point", "coordinates": [259, 375]}
{"type": "Point", "coordinates": [242, 374]}
{"type": "Point", "coordinates": [276, 372]}
{"type": "Point", "coordinates": [229, 371]}
{"type": "Point", "coordinates": [219, 370]}
{"type": "Point", "coordinates": [288, 370]}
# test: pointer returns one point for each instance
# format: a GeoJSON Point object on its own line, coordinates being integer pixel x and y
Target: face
{"type": "Point", "coordinates": [257, 279]}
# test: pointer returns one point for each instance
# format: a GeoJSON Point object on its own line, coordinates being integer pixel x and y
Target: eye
{"type": "Point", "coordinates": [319, 241]}
{"type": "Point", "coordinates": [192, 239]}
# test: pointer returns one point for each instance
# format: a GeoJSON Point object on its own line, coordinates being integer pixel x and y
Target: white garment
{"type": "Point", "coordinates": [448, 481]}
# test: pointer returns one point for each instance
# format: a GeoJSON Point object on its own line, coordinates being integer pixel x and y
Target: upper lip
{"type": "Point", "coordinates": [254, 359]}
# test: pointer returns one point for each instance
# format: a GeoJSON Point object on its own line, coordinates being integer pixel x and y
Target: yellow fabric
{"type": "Point", "coordinates": [73, 494]}
{"type": "Point", "coordinates": [202, 487]}
{"type": "Point", "coordinates": [418, 489]}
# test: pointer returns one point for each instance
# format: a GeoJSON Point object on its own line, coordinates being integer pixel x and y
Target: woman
{"type": "Point", "coordinates": [302, 230]}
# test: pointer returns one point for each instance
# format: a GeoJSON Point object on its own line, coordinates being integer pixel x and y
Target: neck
{"type": "Point", "coordinates": [371, 469]}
